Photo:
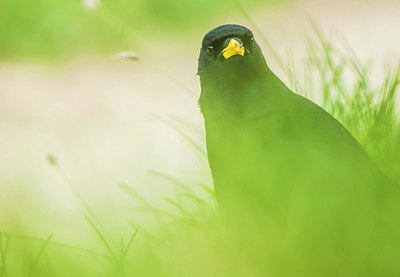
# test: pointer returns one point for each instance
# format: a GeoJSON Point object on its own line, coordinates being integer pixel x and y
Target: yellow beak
{"type": "Point", "coordinates": [234, 48]}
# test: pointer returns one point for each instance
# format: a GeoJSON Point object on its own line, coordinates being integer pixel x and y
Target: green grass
{"type": "Point", "coordinates": [187, 239]}
{"type": "Point", "coordinates": [348, 89]}
{"type": "Point", "coordinates": [62, 29]}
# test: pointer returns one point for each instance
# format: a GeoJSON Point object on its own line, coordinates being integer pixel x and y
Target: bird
{"type": "Point", "coordinates": [288, 173]}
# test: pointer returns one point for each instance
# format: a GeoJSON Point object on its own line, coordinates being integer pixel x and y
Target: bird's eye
{"type": "Point", "coordinates": [210, 50]}
{"type": "Point", "coordinates": [252, 42]}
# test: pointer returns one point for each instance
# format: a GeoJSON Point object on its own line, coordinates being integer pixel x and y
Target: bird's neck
{"type": "Point", "coordinates": [232, 95]}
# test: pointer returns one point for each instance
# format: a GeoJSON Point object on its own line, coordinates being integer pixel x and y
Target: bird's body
{"type": "Point", "coordinates": [282, 165]}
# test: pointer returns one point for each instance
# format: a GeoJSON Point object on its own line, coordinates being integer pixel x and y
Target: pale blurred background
{"type": "Point", "coordinates": [61, 92]}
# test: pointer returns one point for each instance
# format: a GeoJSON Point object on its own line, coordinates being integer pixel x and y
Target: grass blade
{"type": "Point", "coordinates": [100, 236]}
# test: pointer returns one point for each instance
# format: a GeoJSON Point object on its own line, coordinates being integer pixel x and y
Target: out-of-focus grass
{"type": "Point", "coordinates": [347, 88]}
{"type": "Point", "coordinates": [185, 239]}
{"type": "Point", "coordinates": [60, 29]}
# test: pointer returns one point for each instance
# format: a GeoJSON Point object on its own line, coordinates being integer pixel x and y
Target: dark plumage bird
{"type": "Point", "coordinates": [284, 167]}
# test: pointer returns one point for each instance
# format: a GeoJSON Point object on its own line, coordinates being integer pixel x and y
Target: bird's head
{"type": "Point", "coordinates": [229, 49]}
{"type": "Point", "coordinates": [230, 61]}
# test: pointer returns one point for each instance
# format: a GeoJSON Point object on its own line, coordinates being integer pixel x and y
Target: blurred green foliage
{"type": "Point", "coordinates": [55, 29]}
{"type": "Point", "coordinates": [189, 239]}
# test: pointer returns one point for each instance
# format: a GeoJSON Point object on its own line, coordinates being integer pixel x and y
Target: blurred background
{"type": "Point", "coordinates": [109, 121]}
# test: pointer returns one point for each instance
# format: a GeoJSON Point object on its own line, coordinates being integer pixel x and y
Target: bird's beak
{"type": "Point", "coordinates": [234, 48]}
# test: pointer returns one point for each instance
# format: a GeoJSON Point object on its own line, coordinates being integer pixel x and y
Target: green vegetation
{"type": "Point", "coordinates": [187, 239]}
{"type": "Point", "coordinates": [348, 89]}
{"type": "Point", "coordinates": [61, 29]}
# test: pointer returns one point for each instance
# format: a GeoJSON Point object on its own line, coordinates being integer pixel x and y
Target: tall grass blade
{"type": "Point", "coordinates": [35, 263]}
{"type": "Point", "coordinates": [100, 235]}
